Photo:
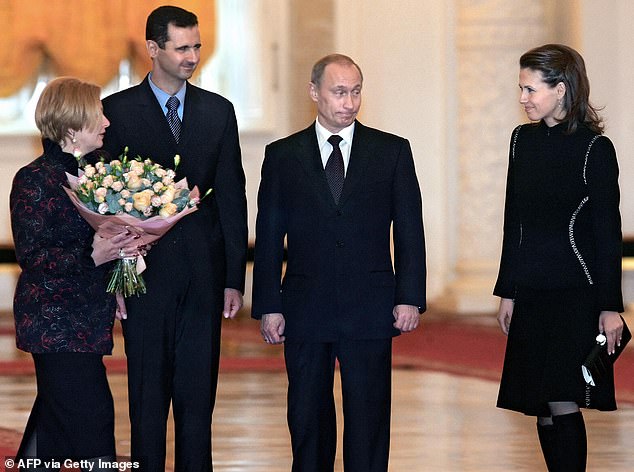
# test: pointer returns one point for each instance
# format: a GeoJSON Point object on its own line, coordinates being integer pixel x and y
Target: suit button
{"type": "Point", "coordinates": [340, 244]}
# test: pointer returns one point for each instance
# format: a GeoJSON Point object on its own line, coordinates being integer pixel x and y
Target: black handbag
{"type": "Point", "coordinates": [598, 362]}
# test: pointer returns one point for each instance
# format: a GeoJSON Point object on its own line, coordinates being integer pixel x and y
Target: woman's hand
{"type": "Point", "coordinates": [611, 324]}
{"type": "Point", "coordinates": [121, 313]}
{"type": "Point", "coordinates": [125, 244]}
{"type": "Point", "coordinates": [505, 313]}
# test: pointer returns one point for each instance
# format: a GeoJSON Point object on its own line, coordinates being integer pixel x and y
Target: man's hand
{"type": "Point", "coordinates": [272, 328]}
{"type": "Point", "coordinates": [407, 318]}
{"type": "Point", "coordinates": [233, 302]}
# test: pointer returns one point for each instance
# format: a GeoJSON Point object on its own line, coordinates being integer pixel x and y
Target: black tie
{"type": "Point", "coordinates": [334, 168]}
{"type": "Point", "coordinates": [172, 116]}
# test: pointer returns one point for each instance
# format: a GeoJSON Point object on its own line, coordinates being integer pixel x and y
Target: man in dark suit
{"type": "Point", "coordinates": [341, 298]}
{"type": "Point", "coordinates": [196, 271]}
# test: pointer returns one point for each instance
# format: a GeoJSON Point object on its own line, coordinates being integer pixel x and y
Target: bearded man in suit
{"type": "Point", "coordinates": [196, 271]}
{"type": "Point", "coordinates": [336, 201]}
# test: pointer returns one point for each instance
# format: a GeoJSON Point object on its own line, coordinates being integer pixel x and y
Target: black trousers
{"type": "Point", "coordinates": [172, 343]}
{"type": "Point", "coordinates": [366, 372]}
{"type": "Point", "coordinates": [73, 414]}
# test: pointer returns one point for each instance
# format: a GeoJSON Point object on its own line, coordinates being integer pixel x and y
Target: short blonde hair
{"type": "Point", "coordinates": [66, 104]}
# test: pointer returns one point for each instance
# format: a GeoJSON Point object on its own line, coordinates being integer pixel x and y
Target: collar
{"type": "Point", "coordinates": [53, 151]}
{"type": "Point", "coordinates": [323, 134]}
{"type": "Point", "coordinates": [162, 97]}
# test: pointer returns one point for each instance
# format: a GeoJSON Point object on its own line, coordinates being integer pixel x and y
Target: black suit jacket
{"type": "Point", "coordinates": [212, 242]}
{"type": "Point", "coordinates": [340, 282]}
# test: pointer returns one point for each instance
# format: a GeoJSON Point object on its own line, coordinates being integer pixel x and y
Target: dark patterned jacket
{"type": "Point", "coordinates": [60, 302]}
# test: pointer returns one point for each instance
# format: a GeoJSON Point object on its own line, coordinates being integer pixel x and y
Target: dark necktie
{"type": "Point", "coordinates": [172, 116]}
{"type": "Point", "coordinates": [334, 168]}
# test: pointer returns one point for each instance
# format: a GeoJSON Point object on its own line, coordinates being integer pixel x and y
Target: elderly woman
{"type": "Point", "coordinates": [560, 271]}
{"type": "Point", "coordinates": [63, 314]}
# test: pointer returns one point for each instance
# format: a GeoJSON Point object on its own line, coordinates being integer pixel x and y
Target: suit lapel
{"type": "Point", "coordinates": [190, 111]}
{"type": "Point", "coordinates": [310, 159]}
{"type": "Point", "coordinates": [153, 116]}
{"type": "Point", "coordinates": [359, 159]}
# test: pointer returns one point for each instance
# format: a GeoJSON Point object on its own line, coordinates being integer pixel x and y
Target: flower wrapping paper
{"type": "Point", "coordinates": [149, 230]}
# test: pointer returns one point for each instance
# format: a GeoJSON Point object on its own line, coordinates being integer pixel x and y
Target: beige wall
{"type": "Point", "coordinates": [607, 38]}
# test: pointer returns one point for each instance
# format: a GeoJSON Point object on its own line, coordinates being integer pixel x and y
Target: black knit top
{"type": "Point", "coordinates": [562, 226]}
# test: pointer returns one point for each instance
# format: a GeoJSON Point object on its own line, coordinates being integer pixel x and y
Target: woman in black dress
{"type": "Point", "coordinates": [63, 315]}
{"type": "Point", "coordinates": [560, 270]}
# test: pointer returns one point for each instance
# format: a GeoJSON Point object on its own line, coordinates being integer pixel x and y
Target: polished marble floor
{"type": "Point", "coordinates": [440, 422]}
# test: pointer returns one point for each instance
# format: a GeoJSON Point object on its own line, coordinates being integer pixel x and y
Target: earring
{"type": "Point", "coordinates": [76, 151]}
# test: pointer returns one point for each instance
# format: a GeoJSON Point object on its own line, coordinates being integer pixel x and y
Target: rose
{"type": "Point", "coordinates": [168, 195]}
{"type": "Point", "coordinates": [89, 171]}
{"type": "Point", "coordinates": [134, 182]}
{"type": "Point", "coordinates": [107, 181]}
{"type": "Point", "coordinates": [117, 186]}
{"type": "Point", "coordinates": [100, 194]}
{"type": "Point", "coordinates": [142, 200]}
{"type": "Point", "coordinates": [168, 209]}
{"type": "Point", "coordinates": [136, 167]}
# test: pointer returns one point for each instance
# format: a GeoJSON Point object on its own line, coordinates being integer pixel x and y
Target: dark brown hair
{"type": "Point", "coordinates": [159, 20]}
{"type": "Point", "coordinates": [560, 63]}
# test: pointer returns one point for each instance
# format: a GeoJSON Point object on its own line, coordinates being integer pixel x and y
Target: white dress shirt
{"type": "Point", "coordinates": [325, 148]}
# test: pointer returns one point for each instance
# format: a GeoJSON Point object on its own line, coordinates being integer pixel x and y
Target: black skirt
{"type": "Point", "coordinates": [73, 414]}
{"type": "Point", "coordinates": [551, 333]}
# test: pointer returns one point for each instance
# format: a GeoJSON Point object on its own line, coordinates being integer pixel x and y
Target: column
{"type": "Point", "coordinates": [491, 35]}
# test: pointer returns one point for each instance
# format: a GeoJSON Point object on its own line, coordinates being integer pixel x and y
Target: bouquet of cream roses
{"type": "Point", "coordinates": [131, 195]}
